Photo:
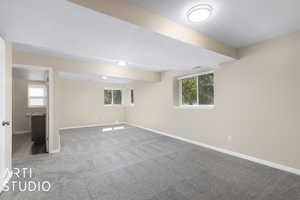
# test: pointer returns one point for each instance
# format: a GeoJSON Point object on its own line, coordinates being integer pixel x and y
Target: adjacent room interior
{"type": "Point", "coordinates": [150, 100]}
{"type": "Point", "coordinates": [30, 110]}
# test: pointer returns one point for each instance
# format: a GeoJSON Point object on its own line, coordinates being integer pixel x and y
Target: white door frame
{"type": "Point", "coordinates": [50, 106]}
{"type": "Point", "coordinates": [5, 133]}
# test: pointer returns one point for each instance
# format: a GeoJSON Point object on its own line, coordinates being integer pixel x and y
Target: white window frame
{"type": "Point", "coordinates": [195, 106]}
{"type": "Point", "coordinates": [112, 99]}
{"type": "Point", "coordinates": [45, 97]}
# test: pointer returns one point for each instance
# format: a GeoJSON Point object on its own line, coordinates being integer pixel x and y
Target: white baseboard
{"type": "Point", "coordinates": [55, 151]}
{"type": "Point", "coordinates": [21, 132]}
{"type": "Point", "coordinates": [4, 180]}
{"type": "Point", "coordinates": [91, 125]}
{"type": "Point", "coordinates": [232, 153]}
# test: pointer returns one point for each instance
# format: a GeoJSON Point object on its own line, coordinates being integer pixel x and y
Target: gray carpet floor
{"type": "Point", "coordinates": [135, 164]}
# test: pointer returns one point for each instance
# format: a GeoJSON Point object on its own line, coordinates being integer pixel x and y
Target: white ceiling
{"type": "Point", "coordinates": [93, 78]}
{"type": "Point", "coordinates": [64, 28]}
{"type": "Point", "coordinates": [236, 22]}
{"type": "Point", "coordinates": [30, 74]}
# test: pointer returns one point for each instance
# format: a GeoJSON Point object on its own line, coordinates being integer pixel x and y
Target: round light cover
{"type": "Point", "coordinates": [199, 13]}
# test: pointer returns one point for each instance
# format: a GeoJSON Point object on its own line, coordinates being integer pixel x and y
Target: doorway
{"type": "Point", "coordinates": [32, 110]}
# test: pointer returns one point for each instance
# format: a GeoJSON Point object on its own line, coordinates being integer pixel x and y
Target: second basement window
{"type": "Point", "coordinates": [113, 97]}
{"type": "Point", "coordinates": [197, 90]}
{"type": "Point", "coordinates": [132, 97]}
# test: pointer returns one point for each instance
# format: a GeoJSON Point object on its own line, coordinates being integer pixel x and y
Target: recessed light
{"type": "Point", "coordinates": [122, 63]}
{"type": "Point", "coordinates": [104, 77]}
{"type": "Point", "coordinates": [199, 13]}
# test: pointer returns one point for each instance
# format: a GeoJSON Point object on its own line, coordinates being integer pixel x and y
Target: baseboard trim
{"type": "Point", "coordinates": [91, 125]}
{"type": "Point", "coordinates": [55, 151]}
{"type": "Point", "coordinates": [21, 132]}
{"type": "Point", "coordinates": [4, 180]}
{"type": "Point", "coordinates": [232, 153]}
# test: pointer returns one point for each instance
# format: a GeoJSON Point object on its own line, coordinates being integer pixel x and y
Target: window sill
{"type": "Point", "coordinates": [30, 107]}
{"type": "Point", "coordinates": [113, 105]}
{"type": "Point", "coordinates": [205, 107]}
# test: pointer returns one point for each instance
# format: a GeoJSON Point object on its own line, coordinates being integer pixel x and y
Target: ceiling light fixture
{"type": "Point", "coordinates": [199, 13]}
{"type": "Point", "coordinates": [122, 63]}
{"type": "Point", "coordinates": [104, 77]}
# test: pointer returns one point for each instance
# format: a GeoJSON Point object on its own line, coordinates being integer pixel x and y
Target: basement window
{"type": "Point", "coordinates": [112, 97]}
{"type": "Point", "coordinates": [197, 90]}
{"type": "Point", "coordinates": [131, 97]}
{"type": "Point", "coordinates": [37, 96]}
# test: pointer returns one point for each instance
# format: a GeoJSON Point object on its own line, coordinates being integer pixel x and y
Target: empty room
{"type": "Point", "coordinates": [149, 100]}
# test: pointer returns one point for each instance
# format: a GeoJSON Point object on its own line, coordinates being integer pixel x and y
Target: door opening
{"type": "Point", "coordinates": [32, 110]}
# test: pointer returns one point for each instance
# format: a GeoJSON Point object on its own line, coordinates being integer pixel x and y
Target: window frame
{"type": "Point", "coordinates": [195, 106]}
{"type": "Point", "coordinates": [45, 97]}
{"type": "Point", "coordinates": [112, 97]}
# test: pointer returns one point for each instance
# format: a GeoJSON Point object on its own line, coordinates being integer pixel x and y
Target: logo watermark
{"type": "Point", "coordinates": [21, 181]}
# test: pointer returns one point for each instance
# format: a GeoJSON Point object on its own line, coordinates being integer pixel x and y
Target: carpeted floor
{"type": "Point", "coordinates": [134, 164]}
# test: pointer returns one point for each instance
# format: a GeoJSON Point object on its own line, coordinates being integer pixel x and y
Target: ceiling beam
{"type": "Point", "coordinates": [130, 12]}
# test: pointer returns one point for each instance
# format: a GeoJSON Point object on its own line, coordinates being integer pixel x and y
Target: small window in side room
{"type": "Point", "coordinates": [132, 97]}
{"type": "Point", "coordinates": [197, 90]}
{"type": "Point", "coordinates": [37, 96]}
{"type": "Point", "coordinates": [112, 97]}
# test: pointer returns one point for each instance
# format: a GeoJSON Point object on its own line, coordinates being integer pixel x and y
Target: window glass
{"type": "Point", "coordinates": [189, 91]}
{"type": "Point", "coordinates": [117, 97]}
{"type": "Point", "coordinates": [198, 90]}
{"type": "Point", "coordinates": [131, 96]}
{"type": "Point", "coordinates": [112, 96]}
{"type": "Point", "coordinates": [206, 89]}
{"type": "Point", "coordinates": [37, 95]}
{"type": "Point", "coordinates": [36, 91]}
{"type": "Point", "coordinates": [107, 96]}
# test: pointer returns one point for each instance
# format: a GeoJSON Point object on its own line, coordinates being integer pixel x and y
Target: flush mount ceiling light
{"type": "Point", "coordinates": [122, 63]}
{"type": "Point", "coordinates": [199, 13]}
{"type": "Point", "coordinates": [104, 77]}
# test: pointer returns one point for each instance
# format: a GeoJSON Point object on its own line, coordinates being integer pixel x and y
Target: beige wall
{"type": "Point", "coordinates": [256, 103]}
{"type": "Point", "coordinates": [21, 119]}
{"type": "Point", "coordinates": [82, 103]}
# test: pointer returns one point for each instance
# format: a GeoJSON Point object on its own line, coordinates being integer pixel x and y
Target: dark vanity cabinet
{"type": "Point", "coordinates": [38, 127]}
